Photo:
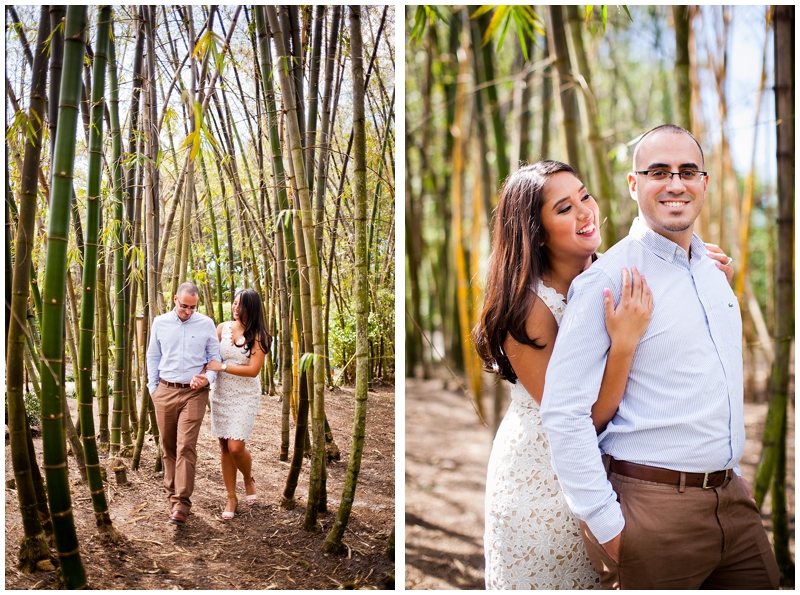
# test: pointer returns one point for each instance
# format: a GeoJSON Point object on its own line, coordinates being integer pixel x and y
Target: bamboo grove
{"type": "Point", "coordinates": [488, 88]}
{"type": "Point", "coordinates": [232, 146]}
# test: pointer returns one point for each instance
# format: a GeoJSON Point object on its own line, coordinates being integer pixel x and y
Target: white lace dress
{"type": "Point", "coordinates": [234, 399]}
{"type": "Point", "coordinates": [532, 540]}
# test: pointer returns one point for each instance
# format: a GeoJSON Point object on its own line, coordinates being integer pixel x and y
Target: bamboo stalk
{"type": "Point", "coordinates": [55, 462]}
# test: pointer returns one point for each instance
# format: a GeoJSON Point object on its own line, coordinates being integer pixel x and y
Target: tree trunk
{"type": "Point", "coordinates": [683, 86]}
{"type": "Point", "coordinates": [55, 460]}
{"type": "Point", "coordinates": [498, 125]}
{"type": "Point", "coordinates": [570, 118]}
{"type": "Point", "coordinates": [317, 465]}
{"type": "Point", "coordinates": [86, 354]}
{"type": "Point", "coordinates": [33, 546]}
{"type": "Point", "coordinates": [461, 135]}
{"type": "Point", "coordinates": [334, 540]}
{"type": "Point", "coordinates": [772, 467]}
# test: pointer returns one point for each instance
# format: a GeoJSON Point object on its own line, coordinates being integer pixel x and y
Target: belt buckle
{"type": "Point", "coordinates": [705, 482]}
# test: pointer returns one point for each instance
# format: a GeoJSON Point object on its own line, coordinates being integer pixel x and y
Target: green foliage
{"type": "Point", "coordinates": [342, 335]}
{"type": "Point", "coordinates": [525, 20]}
{"type": "Point", "coordinates": [424, 14]}
{"type": "Point", "coordinates": [33, 409]}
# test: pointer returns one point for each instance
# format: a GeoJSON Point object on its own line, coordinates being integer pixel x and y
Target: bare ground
{"type": "Point", "coordinates": [447, 451]}
{"type": "Point", "coordinates": [264, 546]}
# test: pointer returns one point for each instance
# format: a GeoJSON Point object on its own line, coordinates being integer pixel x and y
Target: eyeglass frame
{"type": "Point", "coordinates": [703, 174]}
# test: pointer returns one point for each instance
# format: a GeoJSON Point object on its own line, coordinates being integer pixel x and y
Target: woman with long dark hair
{"type": "Point", "coordinates": [546, 233]}
{"type": "Point", "coordinates": [244, 343]}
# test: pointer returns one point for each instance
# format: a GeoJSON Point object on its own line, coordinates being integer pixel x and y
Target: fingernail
{"type": "Point", "coordinates": [643, 278]}
{"type": "Point", "coordinates": [606, 292]}
{"type": "Point", "coordinates": [635, 270]}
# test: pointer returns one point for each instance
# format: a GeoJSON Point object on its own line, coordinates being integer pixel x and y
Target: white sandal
{"type": "Point", "coordinates": [226, 516]}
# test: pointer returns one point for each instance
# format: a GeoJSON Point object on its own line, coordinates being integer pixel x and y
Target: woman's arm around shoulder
{"type": "Point", "coordinates": [529, 363]}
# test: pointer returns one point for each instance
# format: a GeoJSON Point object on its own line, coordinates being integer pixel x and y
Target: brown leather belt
{"type": "Point", "coordinates": [174, 384]}
{"type": "Point", "coordinates": [668, 476]}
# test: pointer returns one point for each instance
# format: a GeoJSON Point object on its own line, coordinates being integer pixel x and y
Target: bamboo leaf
{"type": "Point", "coordinates": [521, 35]}
{"type": "Point", "coordinates": [589, 8]}
{"type": "Point", "coordinates": [482, 11]}
{"type": "Point", "coordinates": [506, 23]}
{"type": "Point", "coordinates": [627, 12]}
{"type": "Point", "coordinates": [286, 216]}
{"type": "Point", "coordinates": [420, 16]}
{"type": "Point", "coordinates": [432, 9]}
{"type": "Point", "coordinates": [202, 44]}
{"type": "Point", "coordinates": [498, 18]}
{"type": "Point", "coordinates": [20, 121]}
{"type": "Point", "coordinates": [306, 362]}
{"type": "Point", "coordinates": [604, 9]}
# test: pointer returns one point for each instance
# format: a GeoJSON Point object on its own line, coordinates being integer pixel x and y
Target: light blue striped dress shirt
{"type": "Point", "coordinates": [178, 350]}
{"type": "Point", "coordinates": [682, 407]}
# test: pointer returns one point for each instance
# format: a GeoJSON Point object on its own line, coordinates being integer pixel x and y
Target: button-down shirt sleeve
{"type": "Point", "coordinates": [153, 357]}
{"type": "Point", "coordinates": [212, 351]}
{"type": "Point", "coordinates": [572, 384]}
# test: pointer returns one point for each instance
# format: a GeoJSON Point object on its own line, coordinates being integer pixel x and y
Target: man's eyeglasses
{"type": "Point", "coordinates": [185, 307]}
{"type": "Point", "coordinates": [687, 176]}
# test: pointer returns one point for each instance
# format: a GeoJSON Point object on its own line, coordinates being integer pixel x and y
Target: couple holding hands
{"type": "Point", "coordinates": [617, 462]}
{"type": "Point", "coordinates": [185, 357]}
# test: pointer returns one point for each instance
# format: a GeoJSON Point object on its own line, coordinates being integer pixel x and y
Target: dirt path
{"type": "Point", "coordinates": [264, 546]}
{"type": "Point", "coordinates": [447, 451]}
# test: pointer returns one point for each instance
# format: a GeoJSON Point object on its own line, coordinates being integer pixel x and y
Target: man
{"type": "Point", "coordinates": [182, 342]}
{"type": "Point", "coordinates": [664, 507]}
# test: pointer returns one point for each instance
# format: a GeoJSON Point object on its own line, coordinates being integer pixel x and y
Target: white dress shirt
{"type": "Point", "coordinates": [682, 408]}
{"type": "Point", "coordinates": [178, 350]}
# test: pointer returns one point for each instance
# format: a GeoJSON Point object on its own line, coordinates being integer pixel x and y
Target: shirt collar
{"type": "Point", "coordinates": [664, 248]}
{"type": "Point", "coordinates": [176, 318]}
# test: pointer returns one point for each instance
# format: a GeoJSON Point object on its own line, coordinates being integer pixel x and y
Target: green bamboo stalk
{"type": "Point", "coordinates": [33, 546]}
{"type": "Point", "coordinates": [102, 347]}
{"type": "Point", "coordinates": [287, 499]}
{"type": "Point", "coordinates": [93, 207]}
{"type": "Point", "coordinates": [570, 121]}
{"type": "Point", "coordinates": [318, 427]}
{"type": "Point", "coordinates": [117, 246]}
{"type": "Point", "coordinates": [55, 456]}
{"type": "Point", "coordinates": [311, 125]}
{"type": "Point", "coordinates": [333, 543]}
{"type": "Point", "coordinates": [324, 137]}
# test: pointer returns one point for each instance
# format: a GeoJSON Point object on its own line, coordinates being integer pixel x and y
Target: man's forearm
{"type": "Point", "coordinates": [579, 467]}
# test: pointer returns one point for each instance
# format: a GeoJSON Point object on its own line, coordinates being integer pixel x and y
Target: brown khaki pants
{"type": "Point", "coordinates": [179, 412]}
{"type": "Point", "coordinates": [689, 539]}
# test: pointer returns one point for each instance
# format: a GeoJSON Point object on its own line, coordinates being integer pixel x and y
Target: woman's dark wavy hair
{"type": "Point", "coordinates": [515, 265]}
{"type": "Point", "coordinates": [251, 317]}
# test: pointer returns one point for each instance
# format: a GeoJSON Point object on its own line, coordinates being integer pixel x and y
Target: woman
{"type": "Point", "coordinates": [236, 395]}
{"type": "Point", "coordinates": [546, 233]}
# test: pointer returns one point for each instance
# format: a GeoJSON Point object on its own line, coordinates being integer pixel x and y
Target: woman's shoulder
{"type": "Point", "coordinates": [552, 299]}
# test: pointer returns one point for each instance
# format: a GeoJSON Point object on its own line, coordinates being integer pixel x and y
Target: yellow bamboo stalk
{"type": "Point", "coordinates": [475, 256]}
{"type": "Point", "coordinates": [456, 200]}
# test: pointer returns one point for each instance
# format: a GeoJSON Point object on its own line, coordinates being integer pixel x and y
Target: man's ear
{"type": "Point", "coordinates": [632, 186]}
